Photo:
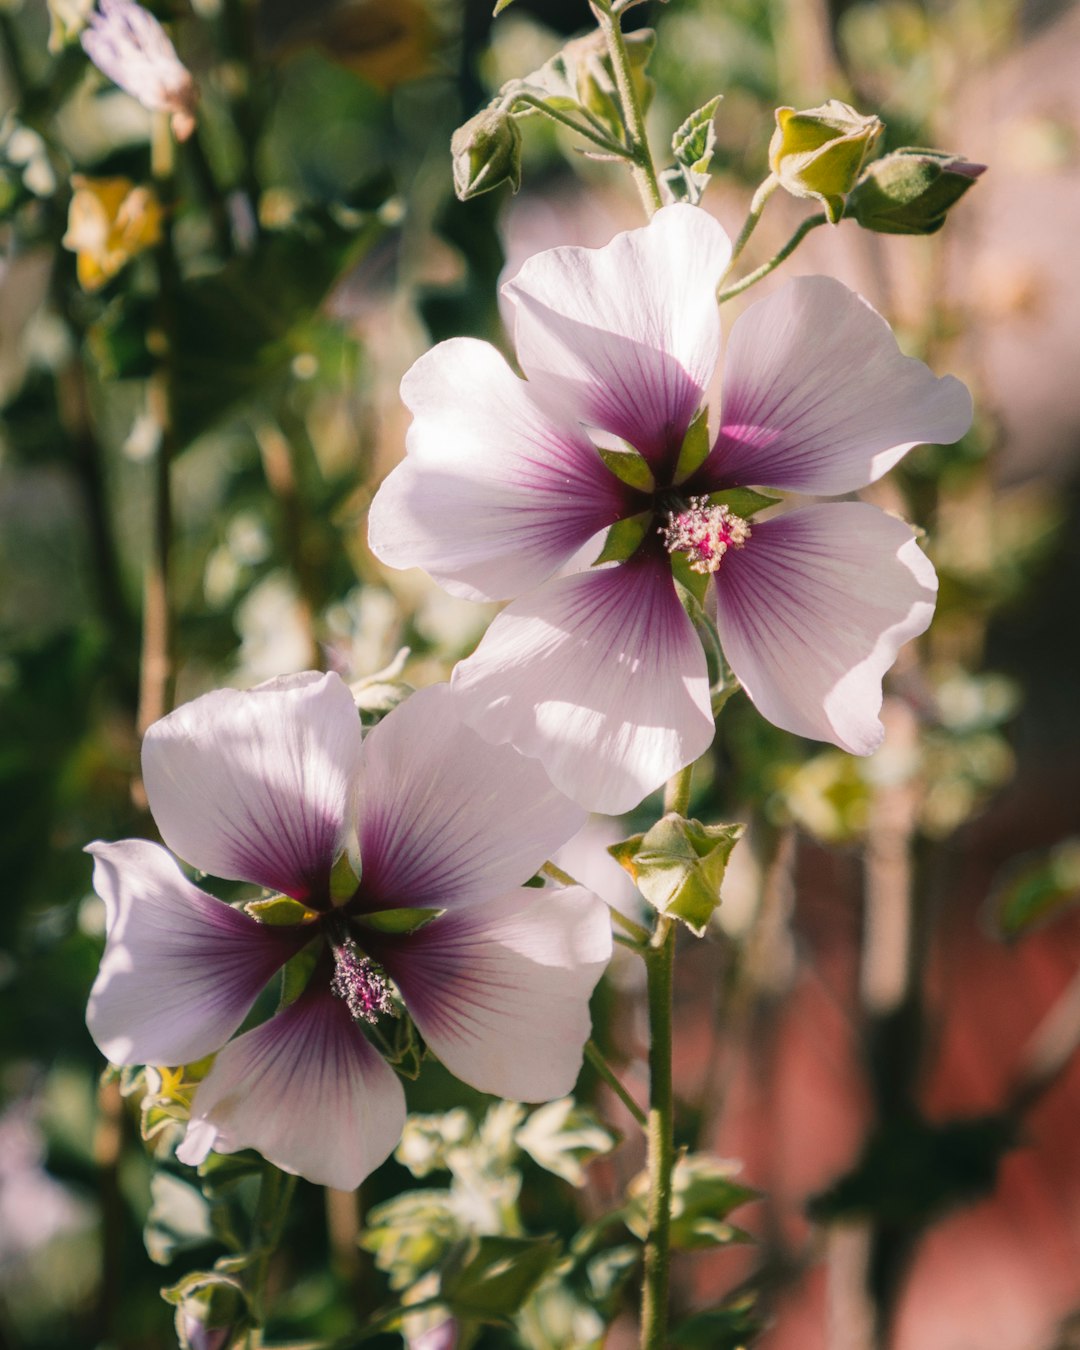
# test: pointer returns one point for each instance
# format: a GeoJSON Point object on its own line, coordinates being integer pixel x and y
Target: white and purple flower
{"type": "Point", "coordinates": [127, 44]}
{"type": "Point", "coordinates": [598, 671]}
{"type": "Point", "coordinates": [272, 787]}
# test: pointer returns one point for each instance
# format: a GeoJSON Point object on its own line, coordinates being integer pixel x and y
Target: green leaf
{"type": "Point", "coordinates": [630, 467]}
{"type": "Point", "coordinates": [624, 538]}
{"type": "Point", "coordinates": [743, 502]}
{"type": "Point", "coordinates": [692, 146]}
{"type": "Point", "coordinates": [500, 6]}
{"type": "Point", "coordinates": [400, 920]}
{"type": "Point", "coordinates": [732, 1328]}
{"type": "Point", "coordinates": [489, 1278]}
{"type": "Point", "coordinates": [564, 1138]}
{"type": "Point", "coordinates": [178, 1220]}
{"type": "Point", "coordinates": [704, 1192]}
{"type": "Point", "coordinates": [695, 447]}
{"type": "Point", "coordinates": [280, 911]}
{"type": "Point", "coordinates": [678, 866]}
{"type": "Point", "coordinates": [1041, 887]}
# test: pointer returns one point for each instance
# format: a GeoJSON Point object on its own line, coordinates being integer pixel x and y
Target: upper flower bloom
{"type": "Point", "coordinates": [599, 673]}
{"type": "Point", "coordinates": [271, 787]}
{"type": "Point", "coordinates": [127, 44]}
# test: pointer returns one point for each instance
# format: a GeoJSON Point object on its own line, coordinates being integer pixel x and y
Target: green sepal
{"type": "Point", "coordinates": [486, 152]}
{"type": "Point", "coordinates": [694, 450]}
{"type": "Point", "coordinates": [487, 1279]}
{"type": "Point", "coordinates": [400, 921]}
{"type": "Point", "coordinates": [742, 501]}
{"type": "Point", "coordinates": [704, 1193]}
{"type": "Point", "coordinates": [280, 911]}
{"type": "Point", "coordinates": [295, 974]}
{"type": "Point", "coordinates": [624, 538]}
{"type": "Point", "coordinates": [695, 583]}
{"type": "Point", "coordinates": [500, 6]}
{"type": "Point", "coordinates": [911, 191]}
{"type": "Point", "coordinates": [344, 879]}
{"type": "Point", "coordinates": [208, 1300]}
{"type": "Point", "coordinates": [630, 467]}
{"type": "Point", "coordinates": [678, 866]}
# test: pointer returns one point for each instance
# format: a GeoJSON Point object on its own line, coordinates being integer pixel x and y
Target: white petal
{"type": "Point", "coordinates": [601, 677]}
{"type": "Point", "coordinates": [626, 337]}
{"type": "Point", "coordinates": [812, 612]}
{"type": "Point", "coordinates": [500, 990]}
{"type": "Point", "coordinates": [181, 969]}
{"type": "Point", "coordinates": [305, 1090]}
{"type": "Point", "coordinates": [258, 785]}
{"type": "Point", "coordinates": [494, 495]}
{"type": "Point", "coordinates": [446, 817]}
{"type": "Point", "coordinates": [818, 397]}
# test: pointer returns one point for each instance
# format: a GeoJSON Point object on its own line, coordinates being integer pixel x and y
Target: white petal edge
{"type": "Point", "coordinates": [444, 817]}
{"type": "Point", "coordinates": [500, 991]}
{"type": "Point", "coordinates": [626, 337]}
{"type": "Point", "coordinates": [180, 969]}
{"type": "Point", "coordinates": [494, 495]}
{"type": "Point", "coordinates": [812, 612]}
{"type": "Point", "coordinates": [257, 785]}
{"type": "Point", "coordinates": [306, 1090]}
{"type": "Point", "coordinates": [817, 396]}
{"type": "Point", "coordinates": [601, 677]}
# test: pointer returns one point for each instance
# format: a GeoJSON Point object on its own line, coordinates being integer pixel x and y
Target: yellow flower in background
{"type": "Point", "coordinates": [110, 221]}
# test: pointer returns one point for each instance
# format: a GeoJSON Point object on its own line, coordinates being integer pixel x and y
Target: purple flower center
{"type": "Point", "coordinates": [360, 982]}
{"type": "Point", "coordinates": [704, 533]}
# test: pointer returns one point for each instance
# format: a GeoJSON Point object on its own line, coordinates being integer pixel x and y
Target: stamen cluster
{"type": "Point", "coordinates": [360, 982]}
{"type": "Point", "coordinates": [704, 533]}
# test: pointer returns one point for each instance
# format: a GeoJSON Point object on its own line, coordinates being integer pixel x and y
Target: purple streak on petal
{"type": "Point", "coordinates": [305, 1090]}
{"type": "Point", "coordinates": [500, 990]}
{"type": "Point", "coordinates": [258, 786]}
{"type": "Point", "coordinates": [812, 612]}
{"type": "Point", "coordinates": [446, 818]}
{"type": "Point", "coordinates": [626, 337]}
{"type": "Point", "coordinates": [818, 397]}
{"type": "Point", "coordinates": [600, 676]}
{"type": "Point", "coordinates": [494, 495]}
{"type": "Point", "coordinates": [181, 969]}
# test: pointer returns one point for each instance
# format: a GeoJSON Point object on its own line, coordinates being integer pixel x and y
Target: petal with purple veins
{"type": "Point", "coordinates": [500, 990]}
{"type": "Point", "coordinates": [444, 817]}
{"type": "Point", "coordinates": [181, 969]}
{"type": "Point", "coordinates": [494, 495]}
{"type": "Point", "coordinates": [306, 1090]}
{"type": "Point", "coordinates": [812, 612]}
{"type": "Point", "coordinates": [626, 337]}
{"type": "Point", "coordinates": [818, 397]}
{"type": "Point", "coordinates": [258, 785]}
{"type": "Point", "coordinates": [601, 677]}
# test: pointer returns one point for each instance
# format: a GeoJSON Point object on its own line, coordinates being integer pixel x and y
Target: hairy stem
{"type": "Point", "coordinates": [644, 169]}
{"type": "Point", "coordinates": [659, 964]}
{"type": "Point", "coordinates": [744, 283]}
{"type": "Point", "coordinates": [595, 1056]}
{"type": "Point", "coordinates": [757, 206]}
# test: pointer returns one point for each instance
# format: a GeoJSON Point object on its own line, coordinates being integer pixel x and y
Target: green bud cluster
{"type": "Point", "coordinates": [820, 152]}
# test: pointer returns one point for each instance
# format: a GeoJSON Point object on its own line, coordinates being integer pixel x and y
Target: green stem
{"type": "Point", "coordinates": [659, 965]}
{"type": "Point", "coordinates": [595, 1056]}
{"type": "Point", "coordinates": [604, 142]}
{"type": "Point", "coordinates": [757, 206]}
{"type": "Point", "coordinates": [677, 792]}
{"type": "Point", "coordinates": [644, 169]}
{"type": "Point", "coordinates": [810, 223]}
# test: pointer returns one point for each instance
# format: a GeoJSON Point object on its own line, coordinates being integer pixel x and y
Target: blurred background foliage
{"type": "Point", "coordinates": [881, 1025]}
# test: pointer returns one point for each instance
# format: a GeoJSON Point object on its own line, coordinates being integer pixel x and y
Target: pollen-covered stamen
{"type": "Point", "coordinates": [704, 533]}
{"type": "Point", "coordinates": [360, 982]}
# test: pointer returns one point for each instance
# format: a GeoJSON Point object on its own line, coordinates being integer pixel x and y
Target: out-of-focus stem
{"type": "Point", "coordinates": [659, 964]}
{"type": "Point", "coordinates": [644, 169]}
{"type": "Point", "coordinates": [595, 1056]}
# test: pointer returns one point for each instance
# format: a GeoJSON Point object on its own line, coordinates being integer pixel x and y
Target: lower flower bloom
{"type": "Point", "coordinates": [274, 787]}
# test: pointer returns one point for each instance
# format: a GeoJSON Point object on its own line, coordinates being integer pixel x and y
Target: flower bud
{"type": "Point", "coordinates": [819, 152]}
{"type": "Point", "coordinates": [911, 191]}
{"type": "Point", "coordinates": [110, 220]}
{"type": "Point", "coordinates": [486, 152]}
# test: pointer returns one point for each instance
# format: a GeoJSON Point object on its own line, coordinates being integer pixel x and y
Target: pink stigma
{"type": "Point", "coordinates": [704, 533]}
{"type": "Point", "coordinates": [360, 982]}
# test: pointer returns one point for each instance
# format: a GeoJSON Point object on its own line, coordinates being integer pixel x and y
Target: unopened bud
{"type": "Point", "coordinates": [486, 153]}
{"type": "Point", "coordinates": [911, 191]}
{"type": "Point", "coordinates": [820, 152]}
